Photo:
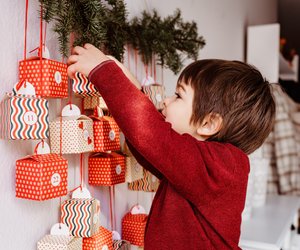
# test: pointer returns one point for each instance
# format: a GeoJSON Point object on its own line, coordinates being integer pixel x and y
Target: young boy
{"type": "Point", "coordinates": [221, 111]}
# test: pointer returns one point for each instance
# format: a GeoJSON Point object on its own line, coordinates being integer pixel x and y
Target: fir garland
{"type": "Point", "coordinates": [104, 24]}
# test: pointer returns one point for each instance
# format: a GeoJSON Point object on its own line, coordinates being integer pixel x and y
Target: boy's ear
{"type": "Point", "coordinates": [211, 124]}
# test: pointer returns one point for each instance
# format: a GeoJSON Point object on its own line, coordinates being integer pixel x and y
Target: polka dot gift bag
{"type": "Point", "coordinates": [23, 115]}
{"type": "Point", "coordinates": [72, 133]}
{"type": "Point", "coordinates": [106, 132]}
{"type": "Point", "coordinates": [41, 176]}
{"type": "Point", "coordinates": [106, 169]}
{"type": "Point", "coordinates": [49, 77]}
{"type": "Point", "coordinates": [81, 213]}
{"type": "Point", "coordinates": [59, 239]}
{"type": "Point", "coordinates": [134, 224]}
{"type": "Point", "coordinates": [101, 240]}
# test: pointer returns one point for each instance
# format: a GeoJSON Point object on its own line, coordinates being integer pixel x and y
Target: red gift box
{"type": "Point", "coordinates": [106, 134]}
{"type": "Point", "coordinates": [106, 169]}
{"type": "Point", "coordinates": [101, 240]}
{"type": "Point", "coordinates": [49, 77]}
{"type": "Point", "coordinates": [133, 228]}
{"type": "Point", "coordinates": [41, 177]}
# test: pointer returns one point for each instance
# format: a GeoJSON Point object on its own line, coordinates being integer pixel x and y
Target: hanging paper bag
{"type": "Point", "coordinates": [134, 224]}
{"type": "Point", "coordinates": [81, 215]}
{"type": "Point", "coordinates": [101, 240]}
{"type": "Point", "coordinates": [148, 183]}
{"type": "Point", "coordinates": [106, 132]}
{"type": "Point", "coordinates": [73, 132]}
{"type": "Point", "coordinates": [91, 102]}
{"type": "Point", "coordinates": [106, 169]}
{"type": "Point", "coordinates": [155, 92]}
{"type": "Point", "coordinates": [23, 115]}
{"type": "Point", "coordinates": [83, 87]}
{"type": "Point", "coordinates": [41, 176]}
{"type": "Point", "coordinates": [61, 241]}
{"type": "Point", "coordinates": [49, 77]}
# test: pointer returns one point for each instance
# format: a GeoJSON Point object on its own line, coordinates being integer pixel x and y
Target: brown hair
{"type": "Point", "coordinates": [236, 91]}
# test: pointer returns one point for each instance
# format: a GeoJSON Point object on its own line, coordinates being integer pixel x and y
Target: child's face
{"type": "Point", "coordinates": [178, 110]}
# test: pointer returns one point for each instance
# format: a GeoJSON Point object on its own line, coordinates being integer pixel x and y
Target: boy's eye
{"type": "Point", "coordinates": [177, 95]}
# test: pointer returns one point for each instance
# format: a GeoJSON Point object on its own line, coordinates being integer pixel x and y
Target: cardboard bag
{"type": "Point", "coordinates": [83, 87]}
{"type": "Point", "coordinates": [91, 102]}
{"type": "Point", "coordinates": [101, 240]}
{"type": "Point", "coordinates": [81, 216]}
{"type": "Point", "coordinates": [106, 169]}
{"type": "Point", "coordinates": [41, 177]}
{"type": "Point", "coordinates": [23, 115]}
{"type": "Point", "coordinates": [148, 183]}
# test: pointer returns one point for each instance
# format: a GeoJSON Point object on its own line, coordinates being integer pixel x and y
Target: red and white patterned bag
{"type": "Point", "coordinates": [101, 240]}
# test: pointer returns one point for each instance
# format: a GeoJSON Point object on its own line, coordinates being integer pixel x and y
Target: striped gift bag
{"type": "Point", "coordinates": [148, 183]}
{"type": "Point", "coordinates": [81, 216]}
{"type": "Point", "coordinates": [101, 240]}
{"type": "Point", "coordinates": [156, 93]}
{"type": "Point", "coordinates": [59, 242]}
{"type": "Point", "coordinates": [83, 87]}
{"type": "Point", "coordinates": [23, 116]}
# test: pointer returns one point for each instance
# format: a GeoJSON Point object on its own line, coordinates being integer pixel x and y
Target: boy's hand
{"type": "Point", "coordinates": [84, 59]}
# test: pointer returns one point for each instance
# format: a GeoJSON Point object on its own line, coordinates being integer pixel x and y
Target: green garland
{"type": "Point", "coordinates": [104, 24]}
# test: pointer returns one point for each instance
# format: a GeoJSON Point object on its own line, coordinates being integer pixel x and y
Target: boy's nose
{"type": "Point", "coordinates": [166, 101]}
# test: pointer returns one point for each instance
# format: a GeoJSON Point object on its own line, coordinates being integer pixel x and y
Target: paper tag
{"type": "Point", "coordinates": [86, 134]}
{"type": "Point", "coordinates": [55, 179]}
{"type": "Point", "coordinates": [158, 97]}
{"type": "Point", "coordinates": [148, 80]}
{"type": "Point", "coordinates": [60, 229]}
{"type": "Point", "coordinates": [153, 178]}
{"type": "Point", "coordinates": [81, 194]}
{"type": "Point", "coordinates": [42, 148]}
{"type": "Point", "coordinates": [25, 89]}
{"type": "Point", "coordinates": [138, 209]}
{"type": "Point", "coordinates": [95, 218]}
{"type": "Point", "coordinates": [112, 135]}
{"type": "Point", "coordinates": [118, 169]}
{"type": "Point", "coordinates": [105, 247]}
{"type": "Point", "coordinates": [116, 235]}
{"type": "Point", "coordinates": [30, 118]}
{"type": "Point", "coordinates": [70, 110]}
{"type": "Point", "coordinates": [57, 77]}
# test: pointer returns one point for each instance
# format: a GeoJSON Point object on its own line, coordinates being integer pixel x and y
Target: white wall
{"type": "Point", "coordinates": [221, 22]}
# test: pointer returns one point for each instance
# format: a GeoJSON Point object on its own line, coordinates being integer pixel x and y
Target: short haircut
{"type": "Point", "coordinates": [236, 91]}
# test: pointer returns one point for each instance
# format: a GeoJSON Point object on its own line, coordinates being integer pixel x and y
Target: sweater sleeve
{"type": "Point", "coordinates": [199, 171]}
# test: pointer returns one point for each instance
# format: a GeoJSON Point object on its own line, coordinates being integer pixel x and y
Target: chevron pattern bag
{"type": "Point", "coordinates": [83, 87]}
{"type": "Point", "coordinates": [81, 216]}
{"type": "Point", "coordinates": [23, 115]}
{"type": "Point", "coordinates": [148, 183]}
{"type": "Point", "coordinates": [156, 93]}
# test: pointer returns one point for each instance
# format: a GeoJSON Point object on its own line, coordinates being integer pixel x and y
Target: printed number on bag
{"type": "Point", "coordinates": [118, 169]}
{"type": "Point", "coordinates": [55, 179]}
{"type": "Point", "coordinates": [112, 135]}
{"type": "Point", "coordinates": [30, 118]}
{"type": "Point", "coordinates": [57, 77]}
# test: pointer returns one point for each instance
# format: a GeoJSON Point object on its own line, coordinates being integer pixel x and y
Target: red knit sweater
{"type": "Point", "coordinates": [203, 184]}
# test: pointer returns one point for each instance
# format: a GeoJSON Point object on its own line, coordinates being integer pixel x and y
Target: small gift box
{"type": "Point", "coordinates": [91, 102]}
{"type": "Point", "coordinates": [134, 224]}
{"type": "Point", "coordinates": [59, 242]}
{"type": "Point", "coordinates": [49, 77]}
{"type": "Point", "coordinates": [106, 169]}
{"type": "Point", "coordinates": [81, 215]}
{"type": "Point", "coordinates": [101, 240]}
{"type": "Point", "coordinates": [23, 115]}
{"type": "Point", "coordinates": [59, 238]}
{"type": "Point", "coordinates": [73, 132]}
{"type": "Point", "coordinates": [148, 183]}
{"type": "Point", "coordinates": [41, 177]}
{"type": "Point", "coordinates": [155, 92]}
{"type": "Point", "coordinates": [106, 132]}
{"type": "Point", "coordinates": [83, 87]}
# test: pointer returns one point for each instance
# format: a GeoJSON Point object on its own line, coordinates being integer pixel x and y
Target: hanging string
{"type": "Point", "coordinates": [154, 67]}
{"type": "Point", "coordinates": [25, 35]}
{"type": "Point", "coordinates": [81, 171]}
{"type": "Point", "coordinates": [162, 75]}
{"type": "Point", "coordinates": [110, 208]}
{"type": "Point", "coordinates": [135, 62]}
{"type": "Point", "coordinates": [59, 213]}
{"type": "Point", "coordinates": [60, 129]}
{"type": "Point", "coordinates": [128, 56]}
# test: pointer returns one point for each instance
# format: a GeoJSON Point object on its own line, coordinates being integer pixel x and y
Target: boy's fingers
{"type": "Point", "coordinates": [78, 50]}
{"type": "Point", "coordinates": [72, 59]}
{"type": "Point", "coordinates": [88, 45]}
{"type": "Point", "coordinates": [71, 71]}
